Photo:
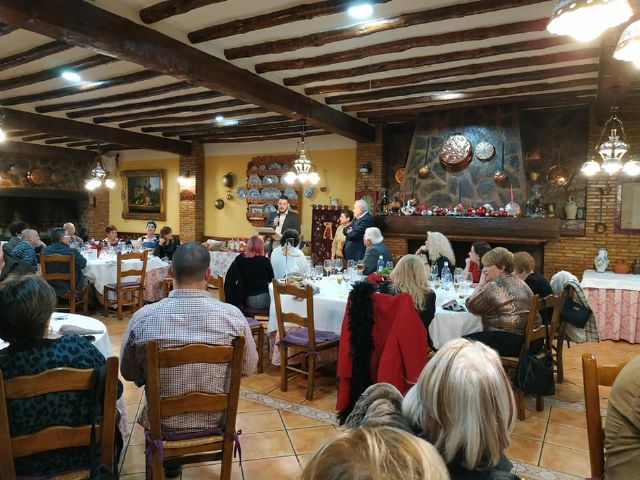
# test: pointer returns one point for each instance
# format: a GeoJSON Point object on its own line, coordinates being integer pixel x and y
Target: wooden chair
{"type": "Point", "coordinates": [303, 340]}
{"type": "Point", "coordinates": [72, 298]}
{"type": "Point", "coordinates": [198, 449]}
{"type": "Point", "coordinates": [257, 329]}
{"type": "Point", "coordinates": [58, 436]}
{"type": "Point", "coordinates": [167, 286]}
{"type": "Point", "coordinates": [594, 375]}
{"type": "Point", "coordinates": [129, 293]}
{"type": "Point", "coordinates": [560, 338]}
{"type": "Point", "coordinates": [554, 302]}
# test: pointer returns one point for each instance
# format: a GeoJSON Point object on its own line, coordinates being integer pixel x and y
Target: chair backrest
{"type": "Point", "coordinates": [68, 273]}
{"type": "Point", "coordinates": [532, 333]}
{"type": "Point", "coordinates": [226, 402]}
{"type": "Point", "coordinates": [553, 302]}
{"type": "Point", "coordinates": [132, 272]}
{"type": "Point", "coordinates": [55, 437]}
{"type": "Point", "coordinates": [217, 281]}
{"type": "Point", "coordinates": [281, 288]}
{"type": "Point", "coordinates": [594, 375]}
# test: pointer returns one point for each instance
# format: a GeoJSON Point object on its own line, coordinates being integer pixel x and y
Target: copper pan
{"type": "Point", "coordinates": [558, 176]}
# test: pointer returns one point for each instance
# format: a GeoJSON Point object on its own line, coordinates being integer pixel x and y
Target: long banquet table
{"type": "Point", "coordinates": [615, 301]}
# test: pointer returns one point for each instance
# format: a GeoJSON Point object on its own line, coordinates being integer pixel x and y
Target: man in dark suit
{"type": "Point", "coordinates": [284, 219]}
{"type": "Point", "coordinates": [375, 249]}
{"type": "Point", "coordinates": [354, 248]}
{"type": "Point", "coordinates": [60, 246]}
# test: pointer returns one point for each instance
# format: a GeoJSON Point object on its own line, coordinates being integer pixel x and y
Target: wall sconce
{"type": "Point", "coordinates": [365, 168]}
{"type": "Point", "coordinates": [187, 186]}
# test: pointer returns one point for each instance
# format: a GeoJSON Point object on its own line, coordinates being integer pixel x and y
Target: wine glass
{"type": "Point", "coordinates": [328, 265]}
{"type": "Point", "coordinates": [360, 266]}
{"type": "Point", "coordinates": [351, 264]}
{"type": "Point", "coordinates": [467, 280]}
{"type": "Point", "coordinates": [338, 264]}
{"type": "Point", "coordinates": [457, 282]}
{"type": "Point", "coordinates": [389, 265]}
{"type": "Point", "coordinates": [318, 272]}
{"type": "Point", "coordinates": [339, 279]}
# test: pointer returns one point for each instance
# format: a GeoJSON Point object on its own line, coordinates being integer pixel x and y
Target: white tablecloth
{"type": "Point", "coordinates": [448, 325]}
{"type": "Point", "coordinates": [610, 280]}
{"type": "Point", "coordinates": [220, 262]}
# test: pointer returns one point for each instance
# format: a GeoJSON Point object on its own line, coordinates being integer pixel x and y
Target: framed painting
{"type": "Point", "coordinates": [143, 195]}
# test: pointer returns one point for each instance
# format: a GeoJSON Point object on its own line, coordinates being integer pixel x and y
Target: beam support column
{"type": "Point", "coordinates": [192, 196]}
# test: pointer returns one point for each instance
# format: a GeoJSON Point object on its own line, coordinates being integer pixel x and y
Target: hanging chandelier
{"type": "Point", "coordinates": [303, 170]}
{"type": "Point", "coordinates": [585, 20]}
{"type": "Point", "coordinates": [612, 150]}
{"type": "Point", "coordinates": [99, 175]}
{"type": "Point", "coordinates": [628, 48]}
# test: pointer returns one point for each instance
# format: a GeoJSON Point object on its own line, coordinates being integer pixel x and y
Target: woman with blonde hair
{"type": "Point", "coordinates": [437, 249]}
{"type": "Point", "coordinates": [464, 406]}
{"type": "Point", "coordinates": [381, 453]}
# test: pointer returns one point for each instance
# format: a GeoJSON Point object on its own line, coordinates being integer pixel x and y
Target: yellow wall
{"type": "Point", "coordinates": [336, 169]}
{"type": "Point", "coordinates": [172, 196]}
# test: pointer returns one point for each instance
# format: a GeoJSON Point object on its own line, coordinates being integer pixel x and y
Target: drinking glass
{"type": "Point", "coordinates": [389, 265]}
{"type": "Point", "coordinates": [360, 266]}
{"type": "Point", "coordinates": [351, 264]}
{"type": "Point", "coordinates": [338, 264]}
{"type": "Point", "coordinates": [457, 271]}
{"type": "Point", "coordinates": [467, 280]}
{"type": "Point", "coordinates": [339, 279]}
{"type": "Point", "coordinates": [457, 282]}
{"type": "Point", "coordinates": [328, 265]}
{"type": "Point", "coordinates": [347, 275]}
{"type": "Point", "coordinates": [318, 271]}
{"type": "Point", "coordinates": [446, 281]}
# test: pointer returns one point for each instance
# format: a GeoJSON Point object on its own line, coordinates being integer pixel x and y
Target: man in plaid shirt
{"type": "Point", "coordinates": [188, 315]}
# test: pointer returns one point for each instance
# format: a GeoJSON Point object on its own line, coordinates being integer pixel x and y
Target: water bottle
{"type": "Point", "coordinates": [380, 264]}
{"type": "Point", "coordinates": [445, 276]}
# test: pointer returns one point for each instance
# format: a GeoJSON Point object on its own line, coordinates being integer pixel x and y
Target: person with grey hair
{"type": "Point", "coordinates": [25, 250]}
{"type": "Point", "coordinates": [374, 250]}
{"type": "Point", "coordinates": [75, 240]}
{"type": "Point", "coordinates": [60, 241]}
{"type": "Point", "coordinates": [354, 247]}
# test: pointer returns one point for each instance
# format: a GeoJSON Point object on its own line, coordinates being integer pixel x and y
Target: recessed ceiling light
{"type": "Point", "coordinates": [71, 76]}
{"type": "Point", "coordinates": [219, 118]}
{"type": "Point", "coordinates": [360, 10]}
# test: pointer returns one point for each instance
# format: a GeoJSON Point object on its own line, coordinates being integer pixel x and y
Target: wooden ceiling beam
{"type": "Point", "coordinates": [240, 129]}
{"type": "Point", "coordinates": [63, 127]}
{"type": "Point", "coordinates": [33, 54]}
{"type": "Point", "coordinates": [84, 88]}
{"type": "Point", "coordinates": [469, 69]}
{"type": "Point", "coordinates": [261, 138]}
{"type": "Point", "coordinates": [55, 141]}
{"type": "Point", "coordinates": [189, 97]}
{"type": "Point", "coordinates": [211, 124]}
{"type": "Point", "coordinates": [82, 143]}
{"type": "Point", "coordinates": [59, 154]}
{"type": "Point", "coordinates": [191, 118]}
{"type": "Point", "coordinates": [263, 130]}
{"type": "Point", "coordinates": [109, 147]}
{"type": "Point", "coordinates": [169, 8]}
{"type": "Point", "coordinates": [38, 137]}
{"type": "Point", "coordinates": [148, 92]}
{"type": "Point", "coordinates": [19, 133]}
{"type": "Point", "coordinates": [74, 22]}
{"type": "Point", "coordinates": [279, 17]}
{"type": "Point", "coordinates": [44, 75]}
{"type": "Point", "coordinates": [413, 62]}
{"type": "Point", "coordinates": [474, 34]}
{"type": "Point", "coordinates": [453, 86]}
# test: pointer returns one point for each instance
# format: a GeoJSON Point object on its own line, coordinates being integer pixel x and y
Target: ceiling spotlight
{"type": "Point", "coordinates": [360, 11]}
{"type": "Point", "coordinates": [71, 76]}
{"type": "Point", "coordinates": [219, 118]}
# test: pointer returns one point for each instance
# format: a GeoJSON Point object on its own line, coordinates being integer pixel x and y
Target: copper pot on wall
{"type": "Point", "coordinates": [425, 170]}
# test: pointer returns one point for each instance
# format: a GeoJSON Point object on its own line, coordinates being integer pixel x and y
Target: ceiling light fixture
{"type": "Point", "coordinates": [360, 11]}
{"type": "Point", "coordinates": [303, 170]}
{"type": "Point", "coordinates": [628, 48]}
{"type": "Point", "coordinates": [585, 20]}
{"type": "Point", "coordinates": [71, 76]}
{"type": "Point", "coordinates": [99, 175]}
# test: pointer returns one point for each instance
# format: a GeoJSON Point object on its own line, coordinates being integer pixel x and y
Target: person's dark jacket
{"type": "Point", "coordinates": [234, 292]}
{"type": "Point", "coordinates": [372, 254]}
{"type": "Point", "coordinates": [502, 471]}
{"type": "Point", "coordinates": [247, 277]}
{"type": "Point", "coordinates": [8, 247]}
{"type": "Point", "coordinates": [291, 221]}
{"type": "Point", "coordinates": [540, 286]}
{"type": "Point", "coordinates": [15, 266]}
{"type": "Point", "coordinates": [166, 250]}
{"type": "Point", "coordinates": [354, 248]}
{"type": "Point", "coordinates": [79, 262]}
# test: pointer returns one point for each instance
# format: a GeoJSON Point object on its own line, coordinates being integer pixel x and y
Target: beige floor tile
{"type": "Point", "coordinates": [293, 420]}
{"type": "Point", "coordinates": [566, 460]}
{"type": "Point", "coordinates": [307, 440]}
{"type": "Point", "coordinates": [569, 393]}
{"type": "Point", "coordinates": [209, 471]}
{"type": "Point", "coordinates": [569, 418]}
{"type": "Point", "coordinates": [137, 436]}
{"type": "Point", "coordinates": [249, 406]}
{"type": "Point", "coordinates": [532, 414]}
{"type": "Point", "coordinates": [131, 411]}
{"type": "Point", "coordinates": [256, 422]}
{"type": "Point", "coordinates": [576, 438]}
{"type": "Point", "coordinates": [260, 383]}
{"type": "Point", "coordinates": [304, 459]}
{"type": "Point", "coordinates": [325, 399]}
{"type": "Point", "coordinates": [265, 445]}
{"type": "Point", "coordinates": [281, 468]}
{"type": "Point", "coordinates": [133, 460]}
{"type": "Point", "coordinates": [530, 428]}
{"type": "Point", "coordinates": [294, 393]}
{"type": "Point", "coordinates": [524, 450]}
{"type": "Point", "coordinates": [132, 395]}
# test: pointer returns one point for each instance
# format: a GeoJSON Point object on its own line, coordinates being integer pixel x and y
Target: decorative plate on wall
{"type": "Point", "coordinates": [456, 153]}
{"type": "Point", "coordinates": [485, 151]}
{"type": "Point", "coordinates": [36, 176]}
{"type": "Point", "coordinates": [399, 175]}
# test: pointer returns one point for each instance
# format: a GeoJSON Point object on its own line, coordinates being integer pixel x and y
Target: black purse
{"type": "Point", "coordinates": [534, 374]}
{"type": "Point", "coordinates": [574, 313]}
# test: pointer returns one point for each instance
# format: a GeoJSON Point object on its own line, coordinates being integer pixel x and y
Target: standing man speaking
{"type": "Point", "coordinates": [282, 220]}
{"type": "Point", "coordinates": [354, 248]}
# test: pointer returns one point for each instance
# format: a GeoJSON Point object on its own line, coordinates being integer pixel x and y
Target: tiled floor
{"type": "Point", "coordinates": [282, 429]}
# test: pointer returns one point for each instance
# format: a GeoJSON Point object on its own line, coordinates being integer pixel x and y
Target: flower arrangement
{"type": "Point", "coordinates": [379, 277]}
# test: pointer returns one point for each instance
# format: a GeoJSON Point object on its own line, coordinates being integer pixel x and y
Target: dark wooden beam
{"type": "Point", "coordinates": [82, 143]}
{"type": "Point", "coordinates": [39, 136]}
{"type": "Point", "coordinates": [169, 110]}
{"type": "Point", "coordinates": [62, 127]}
{"type": "Point", "coordinates": [191, 118]}
{"type": "Point", "coordinates": [414, 62]}
{"type": "Point", "coordinates": [6, 29]}
{"type": "Point", "coordinates": [75, 23]}
{"type": "Point", "coordinates": [169, 8]}
{"type": "Point", "coordinates": [19, 133]}
{"type": "Point", "coordinates": [469, 69]}
{"type": "Point", "coordinates": [55, 72]}
{"type": "Point", "coordinates": [367, 109]}
{"type": "Point", "coordinates": [148, 92]}
{"type": "Point", "coordinates": [457, 10]}
{"type": "Point", "coordinates": [455, 85]}
{"type": "Point", "coordinates": [84, 88]}
{"type": "Point", "coordinates": [211, 124]}
{"type": "Point", "coordinates": [279, 17]}
{"type": "Point", "coordinates": [109, 147]}
{"type": "Point", "coordinates": [59, 154]}
{"type": "Point", "coordinates": [248, 132]}
{"type": "Point", "coordinates": [189, 97]}
{"type": "Point", "coordinates": [246, 129]}
{"type": "Point", "coordinates": [33, 54]}
{"type": "Point", "coordinates": [260, 138]}
{"type": "Point", "coordinates": [58, 140]}
{"type": "Point", "coordinates": [396, 46]}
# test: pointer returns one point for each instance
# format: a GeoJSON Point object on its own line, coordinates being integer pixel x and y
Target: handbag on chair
{"type": "Point", "coordinates": [534, 374]}
{"type": "Point", "coordinates": [574, 313]}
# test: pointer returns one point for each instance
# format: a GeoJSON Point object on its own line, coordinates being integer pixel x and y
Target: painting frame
{"type": "Point", "coordinates": [143, 194]}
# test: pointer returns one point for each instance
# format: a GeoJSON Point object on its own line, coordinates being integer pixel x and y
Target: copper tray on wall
{"type": "Point", "coordinates": [456, 153]}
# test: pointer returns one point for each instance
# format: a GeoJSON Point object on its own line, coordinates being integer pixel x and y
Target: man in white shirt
{"type": "Point", "coordinates": [289, 261]}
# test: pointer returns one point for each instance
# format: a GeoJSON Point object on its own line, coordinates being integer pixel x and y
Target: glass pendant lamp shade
{"type": "Point", "coordinates": [585, 20]}
{"type": "Point", "coordinates": [302, 170]}
{"type": "Point", "coordinates": [590, 168]}
{"type": "Point", "coordinates": [628, 48]}
{"type": "Point", "coordinates": [631, 168]}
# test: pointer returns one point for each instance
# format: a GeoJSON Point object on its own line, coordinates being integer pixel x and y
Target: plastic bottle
{"type": "Point", "coordinates": [445, 276]}
{"type": "Point", "coordinates": [380, 264]}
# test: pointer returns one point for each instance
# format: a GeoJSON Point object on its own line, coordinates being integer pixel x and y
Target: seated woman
{"type": "Point", "coordinates": [463, 405]}
{"type": "Point", "coordinates": [523, 266]}
{"type": "Point", "coordinates": [26, 304]}
{"type": "Point", "coordinates": [437, 250]}
{"type": "Point", "coordinates": [111, 239]}
{"type": "Point", "coordinates": [253, 270]}
{"type": "Point", "coordinates": [167, 245]}
{"type": "Point", "coordinates": [149, 240]}
{"type": "Point", "coordinates": [288, 258]}
{"type": "Point", "coordinates": [502, 300]}
{"type": "Point", "coordinates": [410, 277]}
{"type": "Point", "coordinates": [472, 262]}
{"type": "Point", "coordinates": [346, 217]}
{"type": "Point", "coordinates": [382, 453]}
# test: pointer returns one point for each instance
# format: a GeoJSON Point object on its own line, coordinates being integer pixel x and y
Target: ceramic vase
{"type": "Point", "coordinates": [601, 261]}
{"type": "Point", "coordinates": [571, 209]}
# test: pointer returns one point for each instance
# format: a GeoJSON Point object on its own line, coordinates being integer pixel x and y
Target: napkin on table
{"type": "Point", "coordinates": [453, 306]}
{"type": "Point", "coordinates": [76, 330]}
